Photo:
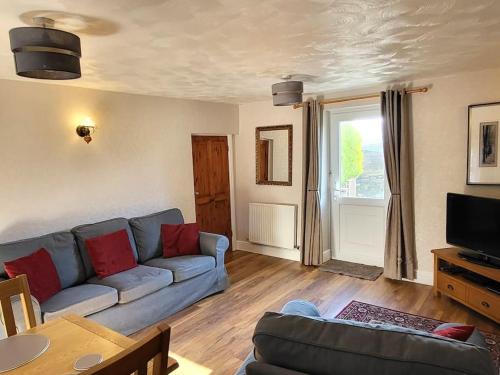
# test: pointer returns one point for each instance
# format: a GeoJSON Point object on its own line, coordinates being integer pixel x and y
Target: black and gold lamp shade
{"type": "Point", "coordinates": [287, 93]}
{"type": "Point", "coordinates": [45, 53]}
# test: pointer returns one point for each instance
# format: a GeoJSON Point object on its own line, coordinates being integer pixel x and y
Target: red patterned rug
{"type": "Point", "coordinates": [364, 312]}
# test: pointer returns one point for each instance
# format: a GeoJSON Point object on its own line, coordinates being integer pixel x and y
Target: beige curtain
{"type": "Point", "coordinates": [400, 253]}
{"type": "Point", "coordinates": [312, 246]}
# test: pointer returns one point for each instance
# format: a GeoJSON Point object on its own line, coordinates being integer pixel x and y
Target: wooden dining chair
{"type": "Point", "coordinates": [10, 288]}
{"type": "Point", "coordinates": [135, 359]}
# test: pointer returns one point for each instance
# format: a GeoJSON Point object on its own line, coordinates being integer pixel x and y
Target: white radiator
{"type": "Point", "coordinates": [273, 224]}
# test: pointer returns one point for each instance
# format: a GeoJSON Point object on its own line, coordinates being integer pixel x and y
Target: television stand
{"type": "Point", "coordinates": [479, 259]}
{"type": "Point", "coordinates": [468, 283]}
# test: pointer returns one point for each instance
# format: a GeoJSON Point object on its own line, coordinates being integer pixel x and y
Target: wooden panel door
{"type": "Point", "coordinates": [264, 160]}
{"type": "Point", "coordinates": [211, 184]}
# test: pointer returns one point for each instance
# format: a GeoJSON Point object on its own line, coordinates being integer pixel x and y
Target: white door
{"type": "Point", "coordinates": [358, 185]}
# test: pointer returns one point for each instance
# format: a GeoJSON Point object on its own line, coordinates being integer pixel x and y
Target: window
{"type": "Point", "coordinates": [361, 158]}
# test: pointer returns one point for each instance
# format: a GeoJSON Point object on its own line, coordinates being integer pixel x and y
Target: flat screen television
{"type": "Point", "coordinates": [473, 224]}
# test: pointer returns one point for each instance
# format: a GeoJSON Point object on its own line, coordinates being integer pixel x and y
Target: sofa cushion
{"type": "Point", "coordinates": [184, 267]}
{"type": "Point", "coordinates": [181, 239]}
{"type": "Point", "coordinates": [475, 338]}
{"type": "Point", "coordinates": [84, 299]}
{"type": "Point", "coordinates": [301, 307]}
{"type": "Point", "coordinates": [62, 249]}
{"type": "Point", "coordinates": [136, 282]}
{"type": "Point", "coordinates": [87, 231]}
{"type": "Point", "coordinates": [147, 232]}
{"type": "Point", "coordinates": [111, 253]}
{"type": "Point", "coordinates": [40, 271]}
{"type": "Point", "coordinates": [461, 333]}
{"type": "Point", "coordinates": [321, 346]}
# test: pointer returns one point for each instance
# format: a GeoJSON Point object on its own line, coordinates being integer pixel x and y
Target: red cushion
{"type": "Point", "coordinates": [461, 333]}
{"type": "Point", "coordinates": [42, 275]}
{"type": "Point", "coordinates": [111, 253]}
{"type": "Point", "coordinates": [182, 239]}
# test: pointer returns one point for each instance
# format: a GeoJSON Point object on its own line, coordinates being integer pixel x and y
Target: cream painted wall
{"type": "Point", "coordinates": [440, 154]}
{"type": "Point", "coordinates": [139, 161]}
{"type": "Point", "coordinates": [246, 190]}
{"type": "Point", "coordinates": [440, 149]}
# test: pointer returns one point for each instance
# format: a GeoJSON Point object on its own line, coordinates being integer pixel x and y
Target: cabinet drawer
{"type": "Point", "coordinates": [484, 302]}
{"type": "Point", "coordinates": [451, 287]}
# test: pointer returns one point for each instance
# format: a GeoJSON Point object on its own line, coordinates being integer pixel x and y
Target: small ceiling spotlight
{"type": "Point", "coordinates": [86, 129]}
{"type": "Point", "coordinates": [287, 92]}
{"type": "Point", "coordinates": [43, 52]}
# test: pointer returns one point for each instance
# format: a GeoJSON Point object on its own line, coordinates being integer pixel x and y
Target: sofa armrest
{"type": "Point", "coordinates": [214, 245]}
{"type": "Point", "coordinates": [19, 315]}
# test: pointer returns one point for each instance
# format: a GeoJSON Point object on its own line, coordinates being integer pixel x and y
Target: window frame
{"type": "Point", "coordinates": [338, 115]}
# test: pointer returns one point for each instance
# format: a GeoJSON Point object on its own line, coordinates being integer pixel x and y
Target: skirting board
{"type": "Point", "coordinates": [327, 254]}
{"type": "Point", "coordinates": [278, 252]}
{"type": "Point", "coordinates": [424, 277]}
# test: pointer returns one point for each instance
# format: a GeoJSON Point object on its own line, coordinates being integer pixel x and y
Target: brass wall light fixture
{"type": "Point", "coordinates": [86, 129]}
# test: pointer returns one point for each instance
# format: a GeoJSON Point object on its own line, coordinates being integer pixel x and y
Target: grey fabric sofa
{"type": "Point", "coordinates": [299, 341]}
{"type": "Point", "coordinates": [131, 300]}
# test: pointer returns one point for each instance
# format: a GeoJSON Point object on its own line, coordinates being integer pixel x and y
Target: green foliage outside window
{"type": "Point", "coordinates": [352, 154]}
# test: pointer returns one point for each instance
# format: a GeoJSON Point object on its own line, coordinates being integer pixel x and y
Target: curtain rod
{"type": "Point", "coordinates": [416, 90]}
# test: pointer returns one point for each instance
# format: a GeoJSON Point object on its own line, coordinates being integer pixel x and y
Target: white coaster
{"type": "Point", "coordinates": [18, 350]}
{"type": "Point", "coordinates": [87, 361]}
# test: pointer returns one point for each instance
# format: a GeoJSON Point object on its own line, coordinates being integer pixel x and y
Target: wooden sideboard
{"type": "Point", "coordinates": [450, 272]}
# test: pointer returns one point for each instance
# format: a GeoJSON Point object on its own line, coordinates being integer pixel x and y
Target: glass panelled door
{"type": "Point", "coordinates": [359, 187]}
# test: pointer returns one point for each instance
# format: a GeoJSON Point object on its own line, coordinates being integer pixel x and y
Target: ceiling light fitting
{"type": "Point", "coordinates": [287, 92]}
{"type": "Point", "coordinates": [42, 52]}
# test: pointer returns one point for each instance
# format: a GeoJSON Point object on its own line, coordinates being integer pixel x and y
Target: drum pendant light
{"type": "Point", "coordinates": [287, 92]}
{"type": "Point", "coordinates": [45, 53]}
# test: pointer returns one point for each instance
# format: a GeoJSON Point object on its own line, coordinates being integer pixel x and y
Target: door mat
{"type": "Point", "coordinates": [361, 271]}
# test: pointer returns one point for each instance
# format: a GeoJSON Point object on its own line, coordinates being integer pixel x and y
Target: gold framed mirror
{"type": "Point", "coordinates": [273, 155]}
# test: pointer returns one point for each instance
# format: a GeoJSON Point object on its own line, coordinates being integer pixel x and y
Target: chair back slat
{"type": "Point", "coordinates": [10, 288]}
{"type": "Point", "coordinates": [135, 359]}
{"type": "Point", "coordinates": [8, 316]}
{"type": "Point", "coordinates": [27, 303]}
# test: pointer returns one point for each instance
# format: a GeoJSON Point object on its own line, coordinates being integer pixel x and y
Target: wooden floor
{"type": "Point", "coordinates": [214, 335]}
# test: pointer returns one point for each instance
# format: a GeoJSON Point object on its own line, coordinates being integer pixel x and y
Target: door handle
{"type": "Point", "coordinates": [196, 193]}
{"type": "Point", "coordinates": [336, 194]}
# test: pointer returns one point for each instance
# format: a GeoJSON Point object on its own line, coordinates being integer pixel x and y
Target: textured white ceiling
{"type": "Point", "coordinates": [233, 50]}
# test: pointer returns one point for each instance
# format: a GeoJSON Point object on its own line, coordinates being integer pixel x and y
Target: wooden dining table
{"type": "Point", "coordinates": [72, 337]}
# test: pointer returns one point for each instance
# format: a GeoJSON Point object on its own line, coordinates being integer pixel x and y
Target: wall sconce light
{"type": "Point", "coordinates": [86, 129]}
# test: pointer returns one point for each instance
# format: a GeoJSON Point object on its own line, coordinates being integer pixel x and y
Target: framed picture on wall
{"type": "Point", "coordinates": [483, 166]}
